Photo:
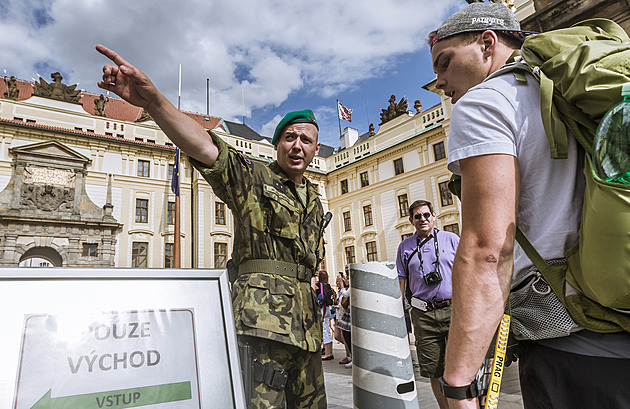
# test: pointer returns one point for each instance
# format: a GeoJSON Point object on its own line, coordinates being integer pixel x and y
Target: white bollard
{"type": "Point", "coordinates": [382, 370]}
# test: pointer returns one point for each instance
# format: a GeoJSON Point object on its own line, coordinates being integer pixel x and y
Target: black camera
{"type": "Point", "coordinates": [433, 277]}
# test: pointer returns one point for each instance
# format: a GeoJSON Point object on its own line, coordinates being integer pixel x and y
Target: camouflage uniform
{"type": "Point", "coordinates": [271, 223]}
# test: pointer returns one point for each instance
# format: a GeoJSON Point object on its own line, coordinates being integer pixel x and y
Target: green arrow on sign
{"type": "Point", "coordinates": [124, 398]}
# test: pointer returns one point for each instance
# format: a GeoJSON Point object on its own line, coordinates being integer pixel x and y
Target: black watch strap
{"type": "Point", "coordinates": [459, 392]}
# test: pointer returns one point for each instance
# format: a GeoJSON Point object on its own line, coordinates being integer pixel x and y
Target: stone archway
{"type": "Point", "coordinates": [41, 257]}
{"type": "Point", "coordinates": [46, 213]}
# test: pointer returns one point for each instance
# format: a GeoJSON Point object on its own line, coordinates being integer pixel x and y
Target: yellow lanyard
{"type": "Point", "coordinates": [492, 400]}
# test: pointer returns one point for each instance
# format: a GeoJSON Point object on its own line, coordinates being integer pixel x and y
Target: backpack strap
{"type": "Point", "coordinates": [555, 130]}
{"type": "Point", "coordinates": [530, 251]}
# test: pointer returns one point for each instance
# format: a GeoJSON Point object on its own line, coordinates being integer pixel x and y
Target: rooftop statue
{"type": "Point", "coordinates": [12, 91]}
{"type": "Point", "coordinates": [394, 109]}
{"type": "Point", "coordinates": [418, 106]}
{"type": "Point", "coordinates": [144, 116]}
{"type": "Point", "coordinates": [56, 90]}
{"type": "Point", "coordinates": [99, 105]}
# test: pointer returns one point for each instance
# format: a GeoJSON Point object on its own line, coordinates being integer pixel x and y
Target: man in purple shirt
{"type": "Point", "coordinates": [424, 270]}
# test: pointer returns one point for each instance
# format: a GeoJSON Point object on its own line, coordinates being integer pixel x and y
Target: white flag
{"type": "Point", "coordinates": [344, 113]}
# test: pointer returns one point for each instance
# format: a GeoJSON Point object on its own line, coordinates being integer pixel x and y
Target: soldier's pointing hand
{"type": "Point", "coordinates": [126, 81]}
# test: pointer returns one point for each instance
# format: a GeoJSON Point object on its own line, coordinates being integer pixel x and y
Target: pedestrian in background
{"type": "Point", "coordinates": [342, 292]}
{"type": "Point", "coordinates": [344, 321]}
{"type": "Point", "coordinates": [326, 299]}
{"type": "Point", "coordinates": [425, 263]}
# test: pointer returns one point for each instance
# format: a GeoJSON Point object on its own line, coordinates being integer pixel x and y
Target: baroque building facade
{"type": "Point", "coordinates": [85, 179]}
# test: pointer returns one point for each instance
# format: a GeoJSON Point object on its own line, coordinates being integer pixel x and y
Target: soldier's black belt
{"type": "Point", "coordinates": [293, 270]}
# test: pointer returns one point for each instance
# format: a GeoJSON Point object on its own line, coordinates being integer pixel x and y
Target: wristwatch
{"type": "Point", "coordinates": [459, 392]}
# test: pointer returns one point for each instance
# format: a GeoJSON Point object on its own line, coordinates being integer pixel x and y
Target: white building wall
{"type": "Point", "coordinates": [389, 213]}
{"type": "Point", "coordinates": [201, 222]}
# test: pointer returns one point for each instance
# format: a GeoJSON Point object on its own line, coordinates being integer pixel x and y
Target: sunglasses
{"type": "Point", "coordinates": [421, 215]}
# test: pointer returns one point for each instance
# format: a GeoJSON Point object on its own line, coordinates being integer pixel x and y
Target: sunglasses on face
{"type": "Point", "coordinates": [421, 215]}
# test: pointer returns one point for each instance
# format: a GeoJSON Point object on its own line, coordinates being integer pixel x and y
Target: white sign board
{"type": "Point", "coordinates": [144, 358]}
{"type": "Point", "coordinates": [117, 339]}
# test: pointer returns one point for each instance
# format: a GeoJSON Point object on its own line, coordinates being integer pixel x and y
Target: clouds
{"type": "Point", "coordinates": [268, 50]}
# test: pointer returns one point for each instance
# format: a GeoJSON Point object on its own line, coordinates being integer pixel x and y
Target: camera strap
{"type": "Point", "coordinates": [437, 251]}
{"type": "Point", "coordinates": [417, 250]}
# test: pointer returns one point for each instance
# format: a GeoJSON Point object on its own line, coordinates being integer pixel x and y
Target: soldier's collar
{"type": "Point", "coordinates": [275, 168]}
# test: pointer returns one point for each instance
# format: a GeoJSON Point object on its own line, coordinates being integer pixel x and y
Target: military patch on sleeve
{"type": "Point", "coordinates": [246, 159]}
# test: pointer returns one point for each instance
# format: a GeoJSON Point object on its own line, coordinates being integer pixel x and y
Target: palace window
{"type": "Point", "coordinates": [365, 179]}
{"type": "Point", "coordinates": [170, 213]}
{"type": "Point", "coordinates": [439, 152]}
{"type": "Point", "coordinates": [403, 205]}
{"type": "Point", "coordinates": [90, 250]}
{"type": "Point", "coordinates": [347, 221]}
{"type": "Point", "coordinates": [219, 213]}
{"type": "Point", "coordinates": [220, 255]}
{"type": "Point", "coordinates": [367, 215]}
{"type": "Point", "coordinates": [350, 257]}
{"type": "Point", "coordinates": [453, 228]}
{"type": "Point", "coordinates": [398, 166]}
{"type": "Point", "coordinates": [139, 254]}
{"type": "Point", "coordinates": [445, 194]}
{"type": "Point", "coordinates": [143, 168]}
{"type": "Point", "coordinates": [169, 255]}
{"type": "Point", "coordinates": [370, 248]}
{"type": "Point", "coordinates": [142, 210]}
{"type": "Point", "coordinates": [344, 186]}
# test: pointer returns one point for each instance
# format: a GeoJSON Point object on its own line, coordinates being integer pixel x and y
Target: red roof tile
{"type": "Point", "coordinates": [115, 108]}
{"type": "Point", "coordinates": [76, 132]}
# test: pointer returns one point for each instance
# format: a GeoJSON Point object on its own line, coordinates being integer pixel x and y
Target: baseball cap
{"type": "Point", "coordinates": [481, 17]}
{"type": "Point", "coordinates": [305, 115]}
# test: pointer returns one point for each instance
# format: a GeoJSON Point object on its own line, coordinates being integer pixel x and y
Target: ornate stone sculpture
{"type": "Point", "coordinates": [144, 116]}
{"type": "Point", "coordinates": [46, 197]}
{"type": "Point", "coordinates": [394, 109]}
{"type": "Point", "coordinates": [56, 90]}
{"type": "Point", "coordinates": [12, 89]}
{"type": "Point", "coordinates": [99, 105]}
{"type": "Point", "coordinates": [418, 106]}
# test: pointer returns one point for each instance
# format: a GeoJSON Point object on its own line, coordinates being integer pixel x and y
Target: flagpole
{"type": "Point", "coordinates": [176, 241]}
{"type": "Point", "coordinates": [339, 118]}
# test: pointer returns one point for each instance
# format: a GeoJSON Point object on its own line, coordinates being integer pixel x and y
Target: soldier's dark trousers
{"type": "Point", "coordinates": [305, 383]}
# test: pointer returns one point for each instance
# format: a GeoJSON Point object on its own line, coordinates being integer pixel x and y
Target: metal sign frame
{"type": "Point", "coordinates": [27, 292]}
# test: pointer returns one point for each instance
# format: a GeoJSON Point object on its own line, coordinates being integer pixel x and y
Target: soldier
{"type": "Point", "coordinates": [278, 221]}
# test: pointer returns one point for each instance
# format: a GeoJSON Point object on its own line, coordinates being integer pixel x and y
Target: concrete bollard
{"type": "Point", "coordinates": [382, 370]}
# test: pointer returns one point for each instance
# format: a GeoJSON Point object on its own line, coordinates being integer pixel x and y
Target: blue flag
{"type": "Point", "coordinates": [175, 176]}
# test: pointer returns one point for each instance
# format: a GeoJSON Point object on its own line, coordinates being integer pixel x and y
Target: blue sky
{"type": "Point", "coordinates": [263, 57]}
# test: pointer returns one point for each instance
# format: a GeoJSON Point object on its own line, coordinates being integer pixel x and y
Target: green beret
{"type": "Point", "coordinates": [305, 115]}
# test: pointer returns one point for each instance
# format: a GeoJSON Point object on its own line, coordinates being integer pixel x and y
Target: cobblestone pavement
{"type": "Point", "coordinates": [338, 380]}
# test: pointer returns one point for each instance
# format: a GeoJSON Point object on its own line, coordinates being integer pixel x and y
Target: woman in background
{"type": "Point", "coordinates": [326, 298]}
{"type": "Point", "coordinates": [342, 322]}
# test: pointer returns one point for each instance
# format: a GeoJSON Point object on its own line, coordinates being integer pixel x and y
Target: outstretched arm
{"type": "Point", "coordinates": [132, 85]}
{"type": "Point", "coordinates": [483, 265]}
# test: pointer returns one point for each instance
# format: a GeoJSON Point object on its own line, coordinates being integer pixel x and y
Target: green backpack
{"type": "Point", "coordinates": [581, 70]}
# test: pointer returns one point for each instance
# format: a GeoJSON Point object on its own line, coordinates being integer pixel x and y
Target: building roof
{"type": "Point", "coordinates": [94, 135]}
{"type": "Point", "coordinates": [325, 151]}
{"type": "Point", "coordinates": [118, 109]}
{"type": "Point", "coordinates": [363, 138]}
{"type": "Point", "coordinates": [244, 131]}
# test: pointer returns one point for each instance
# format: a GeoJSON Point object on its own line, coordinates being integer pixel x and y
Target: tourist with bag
{"type": "Point", "coordinates": [511, 186]}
